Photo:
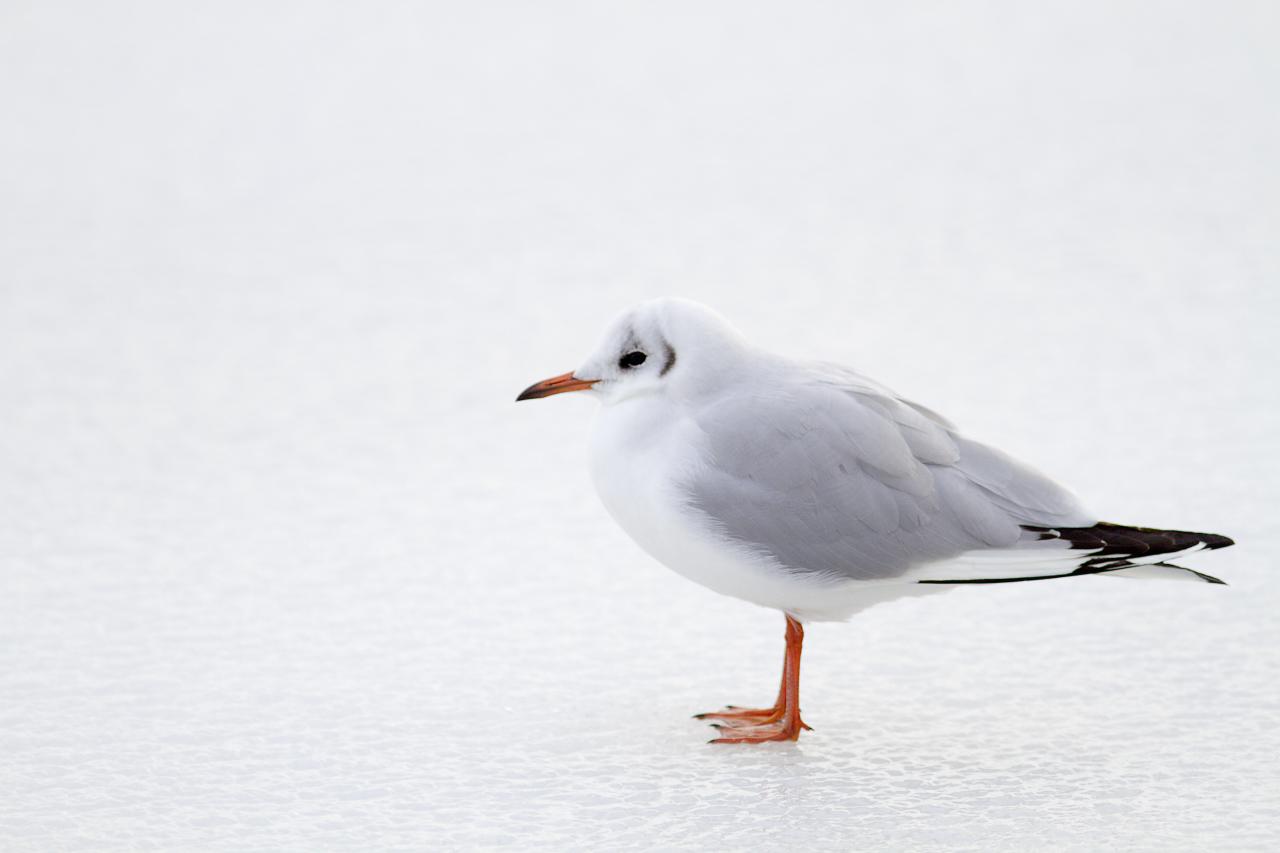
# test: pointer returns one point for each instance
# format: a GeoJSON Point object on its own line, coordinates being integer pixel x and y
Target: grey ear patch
{"type": "Point", "coordinates": [670, 359]}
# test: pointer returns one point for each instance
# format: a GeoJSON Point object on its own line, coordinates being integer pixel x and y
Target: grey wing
{"type": "Point", "coordinates": [847, 480]}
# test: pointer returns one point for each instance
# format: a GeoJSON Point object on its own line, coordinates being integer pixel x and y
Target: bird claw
{"type": "Point", "coordinates": [754, 725]}
{"type": "Point", "coordinates": [780, 730]}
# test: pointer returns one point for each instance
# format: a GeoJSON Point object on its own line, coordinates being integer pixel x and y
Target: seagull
{"type": "Point", "coordinates": [808, 488]}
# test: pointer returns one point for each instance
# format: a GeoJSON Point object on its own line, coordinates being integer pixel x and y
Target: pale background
{"type": "Point", "coordinates": [284, 568]}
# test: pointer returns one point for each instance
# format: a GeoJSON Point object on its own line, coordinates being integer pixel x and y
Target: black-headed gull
{"type": "Point", "coordinates": [810, 489]}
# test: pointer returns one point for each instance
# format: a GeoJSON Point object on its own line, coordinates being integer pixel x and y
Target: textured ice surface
{"type": "Point", "coordinates": [283, 567]}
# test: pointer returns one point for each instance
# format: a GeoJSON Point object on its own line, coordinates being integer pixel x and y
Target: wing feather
{"type": "Point", "coordinates": [830, 473]}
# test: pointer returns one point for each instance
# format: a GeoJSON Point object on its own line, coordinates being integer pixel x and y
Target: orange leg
{"type": "Point", "coordinates": [782, 721]}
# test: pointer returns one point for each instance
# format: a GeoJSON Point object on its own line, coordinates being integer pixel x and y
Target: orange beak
{"type": "Point", "coordinates": [555, 385]}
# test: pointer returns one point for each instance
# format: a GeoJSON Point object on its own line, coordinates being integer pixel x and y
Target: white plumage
{"type": "Point", "coordinates": [811, 489]}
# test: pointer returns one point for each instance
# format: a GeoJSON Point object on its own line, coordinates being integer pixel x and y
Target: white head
{"type": "Point", "coordinates": [664, 346]}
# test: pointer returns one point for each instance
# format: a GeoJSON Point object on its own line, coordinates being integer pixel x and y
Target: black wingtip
{"type": "Point", "coordinates": [1106, 539]}
{"type": "Point", "coordinates": [1213, 541]}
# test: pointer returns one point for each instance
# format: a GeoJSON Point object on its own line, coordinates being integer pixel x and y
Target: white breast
{"type": "Point", "coordinates": [642, 449]}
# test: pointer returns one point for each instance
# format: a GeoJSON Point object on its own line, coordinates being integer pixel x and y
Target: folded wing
{"type": "Point", "coordinates": [838, 476]}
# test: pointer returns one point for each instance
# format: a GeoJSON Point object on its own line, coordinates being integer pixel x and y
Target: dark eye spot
{"type": "Point", "coordinates": [632, 359]}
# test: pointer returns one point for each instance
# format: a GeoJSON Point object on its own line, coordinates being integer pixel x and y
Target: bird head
{"type": "Point", "coordinates": [671, 346]}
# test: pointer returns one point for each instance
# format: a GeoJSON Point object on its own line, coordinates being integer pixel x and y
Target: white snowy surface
{"type": "Point", "coordinates": [284, 568]}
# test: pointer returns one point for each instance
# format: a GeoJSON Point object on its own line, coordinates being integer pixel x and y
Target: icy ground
{"type": "Point", "coordinates": [282, 567]}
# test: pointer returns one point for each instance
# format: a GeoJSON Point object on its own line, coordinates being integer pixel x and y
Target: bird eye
{"type": "Point", "coordinates": [632, 359]}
